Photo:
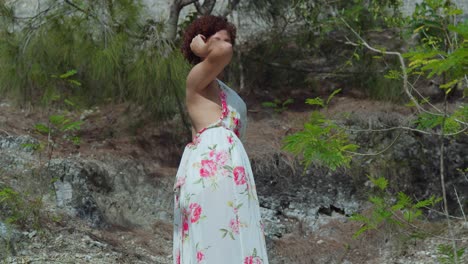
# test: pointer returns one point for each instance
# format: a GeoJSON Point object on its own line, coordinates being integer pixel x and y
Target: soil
{"type": "Point", "coordinates": [125, 130]}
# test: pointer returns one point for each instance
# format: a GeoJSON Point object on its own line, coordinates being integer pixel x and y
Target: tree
{"type": "Point", "coordinates": [202, 9]}
{"type": "Point", "coordinates": [117, 56]}
{"type": "Point", "coordinates": [443, 52]}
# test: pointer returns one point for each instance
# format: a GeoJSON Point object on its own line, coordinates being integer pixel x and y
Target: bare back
{"type": "Point", "coordinates": [204, 106]}
{"type": "Point", "coordinates": [202, 91]}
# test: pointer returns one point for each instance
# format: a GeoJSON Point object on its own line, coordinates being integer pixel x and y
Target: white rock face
{"type": "Point", "coordinates": [159, 10]}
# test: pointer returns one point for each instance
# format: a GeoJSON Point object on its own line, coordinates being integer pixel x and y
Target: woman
{"type": "Point", "coordinates": [216, 216]}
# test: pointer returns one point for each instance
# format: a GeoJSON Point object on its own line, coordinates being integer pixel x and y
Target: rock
{"type": "Point", "coordinates": [115, 191]}
{"type": "Point", "coordinates": [74, 190]}
{"type": "Point", "coordinates": [22, 143]}
{"type": "Point", "coordinates": [9, 236]}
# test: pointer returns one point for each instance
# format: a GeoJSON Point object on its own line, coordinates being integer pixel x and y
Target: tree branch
{"type": "Point", "coordinates": [403, 67]}
{"type": "Point", "coordinates": [425, 231]}
{"type": "Point", "coordinates": [407, 128]}
{"type": "Point", "coordinates": [186, 3]}
{"type": "Point", "coordinates": [400, 57]}
{"type": "Point", "coordinates": [377, 153]}
{"type": "Point", "coordinates": [206, 8]}
{"type": "Point", "coordinates": [459, 204]}
{"type": "Point", "coordinates": [231, 6]}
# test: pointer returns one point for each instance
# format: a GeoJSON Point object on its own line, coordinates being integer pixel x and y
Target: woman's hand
{"type": "Point", "coordinates": [199, 46]}
{"type": "Point", "coordinates": [216, 53]}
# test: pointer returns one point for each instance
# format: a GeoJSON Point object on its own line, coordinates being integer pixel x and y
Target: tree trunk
{"type": "Point", "coordinates": [174, 12]}
{"type": "Point", "coordinates": [206, 8]}
{"type": "Point", "coordinates": [230, 7]}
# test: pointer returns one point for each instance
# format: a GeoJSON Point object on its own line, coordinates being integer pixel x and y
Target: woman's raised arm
{"type": "Point", "coordinates": [215, 53]}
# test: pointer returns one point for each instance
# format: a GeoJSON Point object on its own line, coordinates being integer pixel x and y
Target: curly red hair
{"type": "Point", "coordinates": [207, 26]}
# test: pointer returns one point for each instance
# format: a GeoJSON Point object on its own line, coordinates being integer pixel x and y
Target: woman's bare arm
{"type": "Point", "coordinates": [216, 53]}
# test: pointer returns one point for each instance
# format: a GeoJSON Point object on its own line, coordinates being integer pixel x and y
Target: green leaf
{"type": "Point", "coordinates": [75, 82]}
{"type": "Point", "coordinates": [408, 216]}
{"type": "Point", "coordinates": [426, 120]}
{"type": "Point", "coordinates": [288, 101]}
{"type": "Point", "coordinates": [332, 95]}
{"type": "Point", "coordinates": [198, 181]}
{"type": "Point", "coordinates": [69, 102]}
{"type": "Point", "coordinates": [379, 201]}
{"type": "Point", "coordinates": [41, 128]}
{"type": "Point", "coordinates": [31, 146]}
{"type": "Point", "coordinates": [448, 86]}
{"type": "Point", "coordinates": [68, 74]}
{"type": "Point", "coordinates": [76, 140]}
{"type": "Point", "coordinates": [269, 104]}
{"type": "Point", "coordinates": [315, 101]}
{"type": "Point", "coordinates": [360, 231]}
{"type": "Point", "coordinates": [404, 199]}
{"type": "Point", "coordinates": [380, 182]}
{"type": "Point", "coordinates": [455, 12]}
{"type": "Point", "coordinates": [57, 119]}
{"type": "Point", "coordinates": [224, 232]}
{"type": "Point", "coordinates": [355, 55]}
{"type": "Point", "coordinates": [72, 126]}
{"type": "Point", "coordinates": [359, 218]}
{"type": "Point", "coordinates": [393, 75]}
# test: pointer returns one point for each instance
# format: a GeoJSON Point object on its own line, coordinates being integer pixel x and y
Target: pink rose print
{"type": "Point", "coordinates": [239, 175]}
{"type": "Point", "coordinates": [236, 121]}
{"type": "Point", "coordinates": [252, 260]}
{"type": "Point", "coordinates": [230, 140]}
{"type": "Point", "coordinates": [200, 253]}
{"type": "Point", "coordinates": [180, 182]}
{"type": "Point", "coordinates": [221, 158]}
{"type": "Point", "coordinates": [195, 210]}
{"type": "Point", "coordinates": [234, 225]}
{"type": "Point", "coordinates": [224, 105]}
{"type": "Point", "coordinates": [185, 228]}
{"type": "Point", "coordinates": [208, 168]}
{"type": "Point", "coordinates": [236, 131]}
{"type": "Point", "coordinates": [237, 125]}
{"type": "Point", "coordinates": [200, 256]}
{"type": "Point", "coordinates": [178, 257]}
{"type": "Point", "coordinates": [248, 260]}
{"type": "Point", "coordinates": [212, 153]}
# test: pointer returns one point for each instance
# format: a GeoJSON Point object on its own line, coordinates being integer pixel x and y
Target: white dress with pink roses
{"type": "Point", "coordinates": [216, 211]}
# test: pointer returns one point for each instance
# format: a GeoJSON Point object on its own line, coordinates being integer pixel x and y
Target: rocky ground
{"type": "Point", "coordinates": [110, 201]}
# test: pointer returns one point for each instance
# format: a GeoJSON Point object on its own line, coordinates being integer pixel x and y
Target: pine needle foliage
{"type": "Point", "coordinates": [322, 141]}
{"type": "Point", "coordinates": [396, 211]}
{"type": "Point", "coordinates": [447, 256]}
{"type": "Point", "coordinates": [20, 209]}
{"type": "Point", "coordinates": [115, 54]}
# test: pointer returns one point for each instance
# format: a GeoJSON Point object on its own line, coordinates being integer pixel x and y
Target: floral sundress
{"type": "Point", "coordinates": [216, 210]}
